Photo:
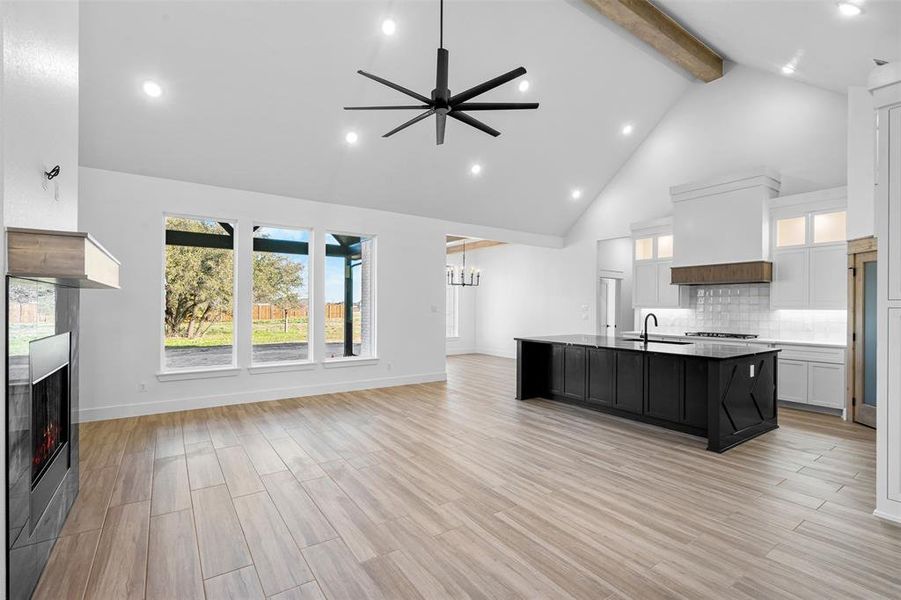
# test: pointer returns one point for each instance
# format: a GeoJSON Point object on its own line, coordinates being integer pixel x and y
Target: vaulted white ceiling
{"type": "Point", "coordinates": [827, 49]}
{"type": "Point", "coordinates": [253, 95]}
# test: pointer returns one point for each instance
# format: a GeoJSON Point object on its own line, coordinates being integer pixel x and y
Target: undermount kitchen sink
{"type": "Point", "coordinates": [676, 342]}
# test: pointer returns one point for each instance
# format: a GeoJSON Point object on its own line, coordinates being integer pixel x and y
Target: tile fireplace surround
{"type": "Point", "coordinates": [35, 311]}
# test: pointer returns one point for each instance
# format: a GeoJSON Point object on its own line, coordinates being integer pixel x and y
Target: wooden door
{"type": "Point", "coordinates": [862, 354]}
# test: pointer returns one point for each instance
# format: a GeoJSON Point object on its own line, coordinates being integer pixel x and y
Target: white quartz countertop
{"type": "Point", "coordinates": [670, 334]}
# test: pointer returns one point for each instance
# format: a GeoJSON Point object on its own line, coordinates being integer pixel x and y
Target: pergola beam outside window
{"type": "Point", "coordinates": [349, 248]}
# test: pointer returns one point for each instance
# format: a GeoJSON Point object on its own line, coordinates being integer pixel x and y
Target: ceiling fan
{"type": "Point", "coordinates": [442, 103]}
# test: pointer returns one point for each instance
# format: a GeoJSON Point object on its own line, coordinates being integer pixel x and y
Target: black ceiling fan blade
{"type": "Point", "coordinates": [486, 86]}
{"type": "Point", "coordinates": [394, 86]}
{"type": "Point", "coordinates": [496, 106]}
{"type": "Point", "coordinates": [419, 107]}
{"type": "Point", "coordinates": [440, 126]}
{"type": "Point", "coordinates": [473, 122]}
{"type": "Point", "coordinates": [415, 119]}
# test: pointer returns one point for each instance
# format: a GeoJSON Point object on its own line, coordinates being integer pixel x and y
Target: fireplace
{"type": "Point", "coordinates": [50, 387]}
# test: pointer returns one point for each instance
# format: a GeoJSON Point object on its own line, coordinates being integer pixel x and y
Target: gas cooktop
{"type": "Point", "coordinates": [718, 334]}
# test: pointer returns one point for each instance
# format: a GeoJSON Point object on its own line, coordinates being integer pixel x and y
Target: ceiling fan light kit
{"type": "Point", "coordinates": [442, 103]}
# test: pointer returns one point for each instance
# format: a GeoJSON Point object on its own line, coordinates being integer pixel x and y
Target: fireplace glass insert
{"type": "Point", "coordinates": [49, 364]}
{"type": "Point", "coordinates": [49, 420]}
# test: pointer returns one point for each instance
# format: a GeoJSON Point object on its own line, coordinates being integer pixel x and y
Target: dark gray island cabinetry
{"type": "Point", "coordinates": [724, 392]}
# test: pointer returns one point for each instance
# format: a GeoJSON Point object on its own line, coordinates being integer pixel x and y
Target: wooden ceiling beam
{"type": "Point", "coordinates": [654, 27]}
{"type": "Point", "coordinates": [473, 246]}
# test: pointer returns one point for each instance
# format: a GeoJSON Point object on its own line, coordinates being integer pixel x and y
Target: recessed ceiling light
{"type": "Point", "coordinates": [389, 26]}
{"type": "Point", "coordinates": [849, 9]}
{"type": "Point", "coordinates": [524, 85]}
{"type": "Point", "coordinates": [627, 129]}
{"type": "Point", "coordinates": [152, 89]}
{"type": "Point", "coordinates": [788, 69]}
{"type": "Point", "coordinates": [575, 194]}
{"type": "Point", "coordinates": [475, 169]}
{"type": "Point", "coordinates": [351, 137]}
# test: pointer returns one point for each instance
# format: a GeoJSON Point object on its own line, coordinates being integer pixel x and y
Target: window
{"type": "Point", "coordinates": [452, 311]}
{"type": "Point", "coordinates": [644, 249]}
{"type": "Point", "coordinates": [829, 227]}
{"type": "Point", "coordinates": [791, 232]}
{"type": "Point", "coordinates": [281, 295]}
{"type": "Point", "coordinates": [199, 289]}
{"type": "Point", "coordinates": [665, 246]}
{"type": "Point", "coordinates": [349, 283]}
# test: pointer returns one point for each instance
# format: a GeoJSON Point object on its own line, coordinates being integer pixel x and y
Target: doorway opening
{"type": "Point", "coordinates": [862, 331]}
{"type": "Point", "coordinates": [609, 288]}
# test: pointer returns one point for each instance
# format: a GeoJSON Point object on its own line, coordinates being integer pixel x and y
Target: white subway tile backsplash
{"type": "Point", "coordinates": [745, 308]}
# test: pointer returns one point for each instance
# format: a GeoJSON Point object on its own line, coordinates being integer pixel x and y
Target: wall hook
{"type": "Point", "coordinates": [52, 173]}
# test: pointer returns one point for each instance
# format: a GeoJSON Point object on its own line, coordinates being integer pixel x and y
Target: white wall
{"type": "Point", "coordinates": [121, 329]}
{"type": "Point", "coordinates": [465, 342]}
{"type": "Point", "coordinates": [615, 254]}
{"type": "Point", "coordinates": [532, 291]}
{"type": "Point", "coordinates": [745, 120]}
{"type": "Point", "coordinates": [40, 113]}
{"type": "Point", "coordinates": [861, 163]}
{"type": "Point", "coordinates": [38, 129]}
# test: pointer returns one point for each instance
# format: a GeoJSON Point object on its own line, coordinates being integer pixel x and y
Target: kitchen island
{"type": "Point", "coordinates": [724, 392]}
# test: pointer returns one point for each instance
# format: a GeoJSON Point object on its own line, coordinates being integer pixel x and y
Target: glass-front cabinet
{"type": "Point", "coordinates": [809, 251]}
{"type": "Point", "coordinates": [652, 260]}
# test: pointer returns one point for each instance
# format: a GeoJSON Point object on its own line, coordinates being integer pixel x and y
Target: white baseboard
{"type": "Point", "coordinates": [164, 406]}
{"type": "Point", "coordinates": [887, 516]}
{"type": "Point", "coordinates": [455, 351]}
{"type": "Point", "coordinates": [491, 351]}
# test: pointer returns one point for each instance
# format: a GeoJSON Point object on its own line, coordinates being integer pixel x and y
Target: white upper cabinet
{"type": "Point", "coordinates": [828, 277]}
{"type": "Point", "coordinates": [809, 251]}
{"type": "Point", "coordinates": [645, 282]}
{"type": "Point", "coordinates": [667, 293]}
{"type": "Point", "coordinates": [652, 258]}
{"type": "Point", "coordinates": [790, 276]}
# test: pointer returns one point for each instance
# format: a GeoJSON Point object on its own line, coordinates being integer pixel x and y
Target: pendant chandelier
{"type": "Point", "coordinates": [459, 276]}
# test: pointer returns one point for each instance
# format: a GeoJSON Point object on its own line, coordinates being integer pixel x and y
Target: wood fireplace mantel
{"type": "Point", "coordinates": [66, 258]}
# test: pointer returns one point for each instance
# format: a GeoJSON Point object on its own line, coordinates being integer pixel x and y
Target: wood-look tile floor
{"type": "Point", "coordinates": [457, 490]}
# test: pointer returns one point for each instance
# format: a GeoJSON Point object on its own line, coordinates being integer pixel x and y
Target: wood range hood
{"type": "Point", "coordinates": [721, 228]}
{"type": "Point", "coordinates": [65, 258]}
{"type": "Point", "coordinates": [758, 271]}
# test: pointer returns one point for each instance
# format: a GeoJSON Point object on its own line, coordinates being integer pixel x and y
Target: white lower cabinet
{"type": "Point", "coordinates": [792, 380]}
{"type": "Point", "coordinates": [826, 385]}
{"type": "Point", "coordinates": [812, 375]}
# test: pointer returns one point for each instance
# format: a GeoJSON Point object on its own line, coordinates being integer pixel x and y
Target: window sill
{"type": "Point", "coordinates": [281, 367]}
{"type": "Point", "coordinates": [349, 362]}
{"type": "Point", "coordinates": [197, 373]}
{"type": "Point", "coordinates": [452, 338]}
